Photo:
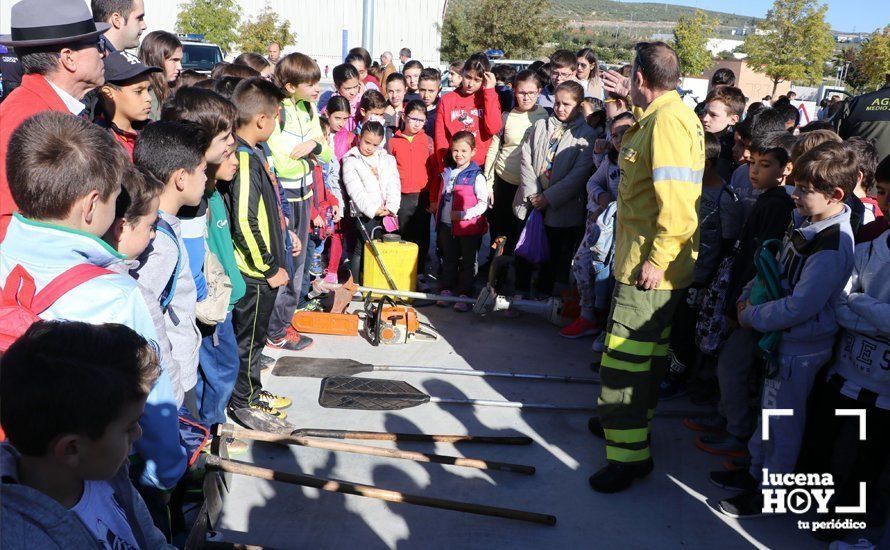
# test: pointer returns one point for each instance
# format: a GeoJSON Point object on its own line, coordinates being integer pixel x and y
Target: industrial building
{"type": "Point", "coordinates": [326, 29]}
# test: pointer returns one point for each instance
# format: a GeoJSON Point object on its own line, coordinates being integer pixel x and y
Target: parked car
{"type": "Point", "coordinates": [199, 55]}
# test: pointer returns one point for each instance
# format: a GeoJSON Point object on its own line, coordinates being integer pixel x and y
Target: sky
{"type": "Point", "coordinates": [843, 15]}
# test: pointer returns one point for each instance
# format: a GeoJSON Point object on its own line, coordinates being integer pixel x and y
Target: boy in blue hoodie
{"type": "Point", "coordinates": [65, 177]}
{"type": "Point", "coordinates": [815, 263]}
{"type": "Point", "coordinates": [65, 468]}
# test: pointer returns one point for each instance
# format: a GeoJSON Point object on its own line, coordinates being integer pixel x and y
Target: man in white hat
{"type": "Point", "coordinates": [61, 49]}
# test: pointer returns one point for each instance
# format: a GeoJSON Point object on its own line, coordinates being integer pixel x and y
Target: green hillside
{"type": "Point", "coordinates": [633, 11]}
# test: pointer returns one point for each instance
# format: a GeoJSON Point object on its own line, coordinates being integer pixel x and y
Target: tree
{"type": "Point", "coordinates": [217, 20]}
{"type": "Point", "coordinates": [691, 42]}
{"type": "Point", "coordinates": [874, 58]}
{"type": "Point", "coordinates": [518, 27]}
{"type": "Point", "coordinates": [256, 35]}
{"type": "Point", "coordinates": [792, 42]}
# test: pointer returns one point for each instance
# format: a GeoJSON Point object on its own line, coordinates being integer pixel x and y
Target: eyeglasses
{"type": "Point", "coordinates": [557, 74]}
{"type": "Point", "coordinates": [527, 94]}
{"type": "Point", "coordinates": [99, 44]}
{"type": "Point", "coordinates": [417, 120]}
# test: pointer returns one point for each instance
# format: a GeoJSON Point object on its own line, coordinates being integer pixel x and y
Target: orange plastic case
{"type": "Point", "coordinates": [319, 322]}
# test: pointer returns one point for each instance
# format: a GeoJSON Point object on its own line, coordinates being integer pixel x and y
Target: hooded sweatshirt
{"type": "Point", "coordinates": [31, 519]}
{"type": "Point", "coordinates": [155, 268]}
{"type": "Point", "coordinates": [479, 114]}
{"type": "Point", "coordinates": [46, 250]}
{"type": "Point", "coordinates": [863, 312]}
{"type": "Point", "coordinates": [816, 262]}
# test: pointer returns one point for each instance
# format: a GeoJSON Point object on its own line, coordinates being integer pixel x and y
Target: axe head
{"type": "Point", "coordinates": [343, 295]}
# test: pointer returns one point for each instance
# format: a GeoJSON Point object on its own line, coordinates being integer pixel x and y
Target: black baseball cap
{"type": "Point", "coordinates": [122, 66]}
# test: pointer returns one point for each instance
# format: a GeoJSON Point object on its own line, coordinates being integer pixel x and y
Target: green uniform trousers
{"type": "Point", "coordinates": [633, 365]}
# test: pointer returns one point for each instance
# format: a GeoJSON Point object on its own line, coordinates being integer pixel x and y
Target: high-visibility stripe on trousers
{"type": "Point", "coordinates": [633, 364]}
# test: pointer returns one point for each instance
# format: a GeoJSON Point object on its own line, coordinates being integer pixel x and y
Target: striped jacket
{"type": "Point", "coordinates": [255, 210]}
{"type": "Point", "coordinates": [298, 122]}
{"type": "Point", "coordinates": [661, 160]}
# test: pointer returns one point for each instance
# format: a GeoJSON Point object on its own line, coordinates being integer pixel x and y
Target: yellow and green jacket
{"type": "Point", "coordinates": [257, 221]}
{"type": "Point", "coordinates": [297, 122]}
{"type": "Point", "coordinates": [661, 160]}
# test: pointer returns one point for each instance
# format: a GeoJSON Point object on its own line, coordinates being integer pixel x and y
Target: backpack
{"type": "Point", "coordinates": [170, 289]}
{"type": "Point", "coordinates": [21, 305]}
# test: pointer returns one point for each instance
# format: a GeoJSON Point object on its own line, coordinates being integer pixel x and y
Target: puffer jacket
{"type": "Point", "coordinates": [368, 192]}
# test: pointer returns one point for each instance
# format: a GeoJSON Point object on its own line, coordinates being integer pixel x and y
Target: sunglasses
{"type": "Point", "coordinates": [99, 44]}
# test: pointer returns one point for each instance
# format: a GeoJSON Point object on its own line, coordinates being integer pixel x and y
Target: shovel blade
{"type": "Point", "coordinates": [263, 422]}
{"type": "Point", "coordinates": [316, 367]}
{"type": "Point", "coordinates": [369, 394]}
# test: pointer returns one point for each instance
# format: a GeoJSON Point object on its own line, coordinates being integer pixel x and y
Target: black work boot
{"type": "Point", "coordinates": [618, 476]}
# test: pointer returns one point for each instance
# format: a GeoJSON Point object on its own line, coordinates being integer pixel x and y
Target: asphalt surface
{"type": "Point", "coordinates": [672, 508]}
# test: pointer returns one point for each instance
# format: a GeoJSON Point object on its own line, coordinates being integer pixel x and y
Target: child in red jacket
{"type": "Point", "coordinates": [473, 107]}
{"type": "Point", "coordinates": [414, 159]}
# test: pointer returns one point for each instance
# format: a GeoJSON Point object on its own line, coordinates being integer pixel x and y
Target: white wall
{"type": "Point", "coordinates": [319, 25]}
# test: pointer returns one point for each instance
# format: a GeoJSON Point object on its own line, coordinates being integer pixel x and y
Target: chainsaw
{"type": "Point", "coordinates": [388, 323]}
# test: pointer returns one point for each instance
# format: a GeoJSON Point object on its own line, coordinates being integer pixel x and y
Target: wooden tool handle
{"type": "Point", "coordinates": [375, 451]}
{"type": "Point", "coordinates": [419, 438]}
{"type": "Point", "coordinates": [332, 485]}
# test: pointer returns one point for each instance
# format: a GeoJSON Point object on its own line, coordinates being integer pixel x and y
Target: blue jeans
{"type": "Point", "coordinates": [217, 372]}
{"type": "Point", "coordinates": [313, 244]}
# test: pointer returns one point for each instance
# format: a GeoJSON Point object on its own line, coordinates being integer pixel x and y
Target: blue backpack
{"type": "Point", "coordinates": [167, 294]}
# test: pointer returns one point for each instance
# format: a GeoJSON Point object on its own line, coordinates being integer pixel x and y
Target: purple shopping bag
{"type": "Point", "coordinates": [533, 245]}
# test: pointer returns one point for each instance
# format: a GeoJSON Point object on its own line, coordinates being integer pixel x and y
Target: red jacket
{"type": "Point", "coordinates": [35, 95]}
{"type": "Point", "coordinates": [479, 113]}
{"type": "Point", "coordinates": [414, 159]}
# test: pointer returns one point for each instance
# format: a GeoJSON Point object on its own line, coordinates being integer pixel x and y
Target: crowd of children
{"type": "Point", "coordinates": [213, 203]}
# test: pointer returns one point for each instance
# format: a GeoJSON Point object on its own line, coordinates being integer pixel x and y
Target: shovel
{"type": "Point", "coordinates": [264, 422]}
{"type": "Point", "coordinates": [228, 430]}
{"type": "Point", "coordinates": [336, 486]}
{"type": "Point", "coordinates": [315, 367]}
{"type": "Point", "coordinates": [370, 394]}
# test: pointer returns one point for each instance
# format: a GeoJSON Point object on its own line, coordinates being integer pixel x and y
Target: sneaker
{"type": "Point", "coordinates": [579, 328]}
{"type": "Point", "coordinates": [596, 427]}
{"type": "Point", "coordinates": [514, 313]}
{"type": "Point", "coordinates": [292, 341]}
{"type": "Point", "coordinates": [618, 476]}
{"type": "Point", "coordinates": [312, 305]}
{"type": "Point", "coordinates": [722, 444]}
{"type": "Point", "coordinates": [266, 362]}
{"type": "Point", "coordinates": [274, 401]}
{"type": "Point", "coordinates": [599, 345]}
{"type": "Point", "coordinates": [735, 480]}
{"type": "Point", "coordinates": [235, 447]}
{"type": "Point", "coordinates": [861, 544]}
{"type": "Point", "coordinates": [462, 307]}
{"type": "Point", "coordinates": [443, 303]}
{"type": "Point", "coordinates": [261, 406]}
{"type": "Point", "coordinates": [671, 388]}
{"type": "Point", "coordinates": [748, 505]}
{"type": "Point", "coordinates": [710, 423]}
{"type": "Point", "coordinates": [737, 463]}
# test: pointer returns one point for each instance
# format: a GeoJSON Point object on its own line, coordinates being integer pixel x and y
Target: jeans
{"type": "Point", "coordinates": [217, 370]}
